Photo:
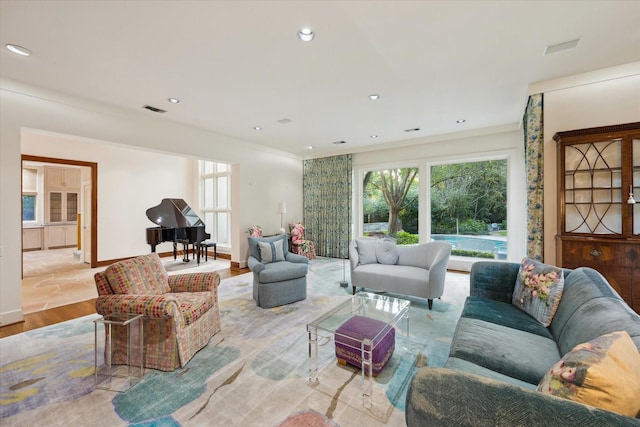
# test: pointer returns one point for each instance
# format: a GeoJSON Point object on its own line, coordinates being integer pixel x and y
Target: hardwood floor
{"type": "Point", "coordinates": [73, 311]}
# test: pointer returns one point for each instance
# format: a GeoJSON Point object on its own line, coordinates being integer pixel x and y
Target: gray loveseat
{"type": "Point", "coordinates": [417, 270]}
{"type": "Point", "coordinates": [499, 354]}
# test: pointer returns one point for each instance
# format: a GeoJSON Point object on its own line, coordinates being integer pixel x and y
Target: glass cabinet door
{"type": "Point", "coordinates": [71, 210]}
{"type": "Point", "coordinates": [55, 206]}
{"type": "Point", "coordinates": [593, 188]}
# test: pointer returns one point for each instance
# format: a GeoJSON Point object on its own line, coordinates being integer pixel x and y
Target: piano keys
{"type": "Point", "coordinates": [179, 224]}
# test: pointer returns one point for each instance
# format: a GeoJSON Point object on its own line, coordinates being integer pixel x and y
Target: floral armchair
{"type": "Point", "coordinates": [255, 231]}
{"type": "Point", "coordinates": [181, 311]}
{"type": "Point", "coordinates": [299, 245]}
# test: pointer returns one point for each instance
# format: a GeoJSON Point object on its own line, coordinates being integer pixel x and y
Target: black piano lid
{"type": "Point", "coordinates": [174, 213]}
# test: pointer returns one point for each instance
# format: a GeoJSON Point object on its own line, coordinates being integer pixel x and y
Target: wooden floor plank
{"type": "Point", "coordinates": [73, 311]}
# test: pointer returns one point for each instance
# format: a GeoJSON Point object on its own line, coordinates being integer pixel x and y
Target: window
{"type": "Point", "coordinates": [469, 207]}
{"type": "Point", "coordinates": [390, 203]}
{"type": "Point", "coordinates": [215, 200]}
{"type": "Point", "coordinates": [29, 206]}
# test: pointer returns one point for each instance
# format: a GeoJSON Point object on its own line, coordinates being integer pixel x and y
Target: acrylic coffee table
{"type": "Point", "coordinates": [391, 311]}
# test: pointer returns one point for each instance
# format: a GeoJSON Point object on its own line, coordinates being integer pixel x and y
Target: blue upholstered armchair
{"type": "Point", "coordinates": [279, 276]}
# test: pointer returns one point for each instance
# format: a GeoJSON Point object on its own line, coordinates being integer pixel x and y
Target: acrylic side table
{"type": "Point", "coordinates": [120, 378]}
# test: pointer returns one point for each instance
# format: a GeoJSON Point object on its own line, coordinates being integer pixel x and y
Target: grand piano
{"type": "Point", "coordinates": [179, 224]}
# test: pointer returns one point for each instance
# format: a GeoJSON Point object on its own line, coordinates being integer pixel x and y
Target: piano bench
{"type": "Point", "coordinates": [205, 245]}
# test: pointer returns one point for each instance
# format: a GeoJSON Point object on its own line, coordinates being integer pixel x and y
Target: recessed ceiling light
{"type": "Point", "coordinates": [373, 136]}
{"type": "Point", "coordinates": [374, 96]}
{"type": "Point", "coordinates": [460, 121]}
{"type": "Point", "coordinates": [257, 128]}
{"type": "Point", "coordinates": [174, 100]}
{"type": "Point", "coordinates": [309, 147]}
{"type": "Point", "coordinates": [306, 35]}
{"type": "Point", "coordinates": [18, 49]}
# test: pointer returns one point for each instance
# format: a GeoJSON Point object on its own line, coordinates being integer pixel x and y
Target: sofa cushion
{"type": "Point", "coordinates": [194, 304]}
{"type": "Point", "coordinates": [414, 255]}
{"type": "Point", "coordinates": [604, 372]}
{"type": "Point", "coordinates": [270, 252]}
{"type": "Point", "coordinates": [582, 286]}
{"type": "Point", "coordinates": [280, 271]}
{"type": "Point", "coordinates": [366, 247]}
{"type": "Point", "coordinates": [598, 316]}
{"type": "Point", "coordinates": [387, 252]}
{"type": "Point", "coordinates": [511, 352]}
{"type": "Point", "coordinates": [472, 368]}
{"type": "Point", "coordinates": [502, 313]}
{"type": "Point", "coordinates": [538, 289]}
{"type": "Point", "coordinates": [142, 275]}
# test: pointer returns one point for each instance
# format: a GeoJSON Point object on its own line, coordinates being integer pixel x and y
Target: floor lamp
{"type": "Point", "coordinates": [283, 210]}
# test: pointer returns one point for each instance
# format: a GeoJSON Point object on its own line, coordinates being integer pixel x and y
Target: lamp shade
{"type": "Point", "coordinates": [283, 208]}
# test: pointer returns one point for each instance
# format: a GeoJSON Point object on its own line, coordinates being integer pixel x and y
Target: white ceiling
{"type": "Point", "coordinates": [239, 64]}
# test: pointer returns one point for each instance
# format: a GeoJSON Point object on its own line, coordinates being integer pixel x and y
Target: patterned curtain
{"type": "Point", "coordinates": [327, 184]}
{"type": "Point", "coordinates": [534, 158]}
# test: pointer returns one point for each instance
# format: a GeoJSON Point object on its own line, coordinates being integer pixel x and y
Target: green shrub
{"type": "Point", "coordinates": [473, 227]}
{"type": "Point", "coordinates": [404, 238]}
{"type": "Point", "coordinates": [472, 254]}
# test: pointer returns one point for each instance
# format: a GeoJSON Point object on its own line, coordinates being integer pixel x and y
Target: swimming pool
{"type": "Point", "coordinates": [475, 243]}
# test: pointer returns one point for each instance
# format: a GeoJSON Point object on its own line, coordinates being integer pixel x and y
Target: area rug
{"type": "Point", "coordinates": [253, 373]}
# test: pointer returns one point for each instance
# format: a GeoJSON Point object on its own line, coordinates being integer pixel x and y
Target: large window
{"type": "Point", "coordinates": [461, 201]}
{"type": "Point", "coordinates": [215, 203]}
{"type": "Point", "coordinates": [469, 207]}
{"type": "Point", "coordinates": [390, 203]}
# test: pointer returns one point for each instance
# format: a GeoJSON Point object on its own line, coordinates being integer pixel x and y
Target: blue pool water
{"type": "Point", "coordinates": [485, 244]}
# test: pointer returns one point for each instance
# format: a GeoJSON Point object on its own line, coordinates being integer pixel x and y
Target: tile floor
{"type": "Point", "coordinates": [57, 277]}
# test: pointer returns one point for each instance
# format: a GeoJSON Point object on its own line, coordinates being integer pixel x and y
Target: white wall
{"type": "Point", "coordinates": [602, 98]}
{"type": "Point", "coordinates": [263, 177]}
{"type": "Point", "coordinates": [129, 182]}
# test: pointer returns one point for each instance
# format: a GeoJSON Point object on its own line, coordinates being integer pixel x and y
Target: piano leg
{"type": "Point", "coordinates": [199, 248]}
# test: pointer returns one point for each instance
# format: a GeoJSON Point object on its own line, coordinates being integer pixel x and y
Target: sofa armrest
{"type": "Point", "coordinates": [299, 259]}
{"type": "Point", "coordinates": [446, 397]}
{"type": "Point", "coordinates": [493, 280]}
{"type": "Point", "coordinates": [152, 306]}
{"type": "Point", "coordinates": [194, 282]}
{"type": "Point", "coordinates": [255, 265]}
{"type": "Point", "coordinates": [354, 257]}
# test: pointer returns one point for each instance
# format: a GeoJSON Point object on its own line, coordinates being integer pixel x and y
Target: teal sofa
{"type": "Point", "coordinates": [499, 354]}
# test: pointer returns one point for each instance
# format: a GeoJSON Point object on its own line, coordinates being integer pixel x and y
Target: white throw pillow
{"type": "Point", "coordinates": [271, 252]}
{"type": "Point", "coordinates": [367, 250]}
{"type": "Point", "coordinates": [387, 252]}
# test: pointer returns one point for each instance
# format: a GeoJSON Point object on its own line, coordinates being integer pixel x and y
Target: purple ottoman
{"type": "Point", "coordinates": [349, 336]}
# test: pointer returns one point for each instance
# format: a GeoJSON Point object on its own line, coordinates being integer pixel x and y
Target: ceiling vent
{"type": "Point", "coordinates": [154, 109]}
{"type": "Point", "coordinates": [553, 48]}
{"type": "Point", "coordinates": [284, 121]}
{"type": "Point", "coordinates": [412, 130]}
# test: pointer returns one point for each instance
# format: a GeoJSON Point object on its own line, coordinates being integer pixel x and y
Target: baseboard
{"type": "Point", "coordinates": [9, 317]}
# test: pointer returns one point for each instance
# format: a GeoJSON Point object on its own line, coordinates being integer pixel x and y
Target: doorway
{"type": "Point", "coordinates": [63, 224]}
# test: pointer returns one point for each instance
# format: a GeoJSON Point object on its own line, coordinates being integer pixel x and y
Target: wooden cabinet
{"type": "Point", "coordinates": [62, 194]}
{"type": "Point", "coordinates": [59, 236]}
{"type": "Point", "coordinates": [32, 239]}
{"type": "Point", "coordinates": [58, 177]}
{"type": "Point", "coordinates": [599, 225]}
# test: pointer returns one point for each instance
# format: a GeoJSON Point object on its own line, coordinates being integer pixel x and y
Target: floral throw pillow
{"type": "Point", "coordinates": [604, 372]}
{"type": "Point", "coordinates": [538, 290]}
